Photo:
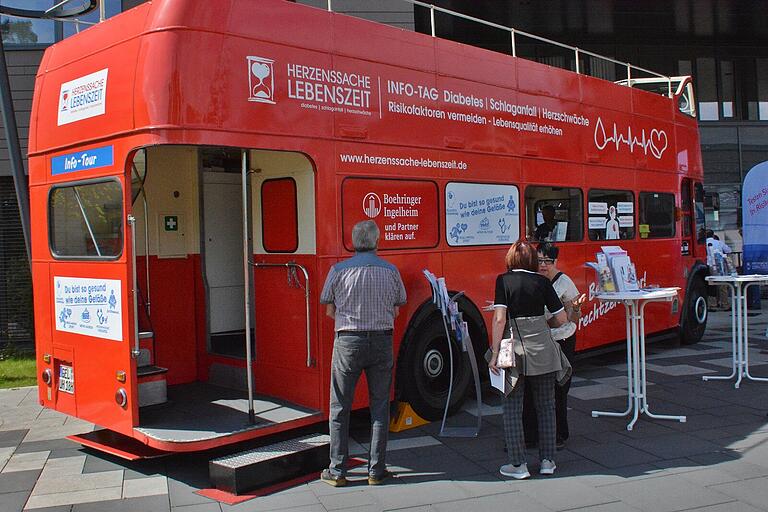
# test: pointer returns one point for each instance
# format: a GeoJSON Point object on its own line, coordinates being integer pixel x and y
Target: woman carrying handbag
{"type": "Point", "coordinates": [522, 295]}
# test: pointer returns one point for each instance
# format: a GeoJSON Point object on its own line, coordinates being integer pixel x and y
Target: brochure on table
{"type": "Point", "coordinates": [615, 270]}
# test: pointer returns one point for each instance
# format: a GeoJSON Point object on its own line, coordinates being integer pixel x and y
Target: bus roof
{"type": "Point", "coordinates": [171, 70]}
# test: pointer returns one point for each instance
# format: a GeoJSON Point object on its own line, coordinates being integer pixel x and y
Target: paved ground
{"type": "Point", "coordinates": [717, 461]}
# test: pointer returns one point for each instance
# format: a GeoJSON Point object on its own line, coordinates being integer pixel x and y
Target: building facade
{"type": "Point", "coordinates": [722, 43]}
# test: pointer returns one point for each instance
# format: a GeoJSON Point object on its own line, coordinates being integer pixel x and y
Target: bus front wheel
{"type": "Point", "coordinates": [695, 322]}
{"type": "Point", "coordinates": [424, 369]}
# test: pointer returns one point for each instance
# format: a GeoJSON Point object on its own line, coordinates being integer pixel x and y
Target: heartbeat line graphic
{"type": "Point", "coordinates": [656, 142]}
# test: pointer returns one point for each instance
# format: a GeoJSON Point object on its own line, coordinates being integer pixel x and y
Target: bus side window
{"type": "Point", "coordinates": [657, 215]}
{"type": "Point", "coordinates": [611, 215]}
{"type": "Point", "coordinates": [86, 220]}
{"type": "Point", "coordinates": [554, 213]}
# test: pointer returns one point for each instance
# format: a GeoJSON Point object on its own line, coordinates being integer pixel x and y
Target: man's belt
{"type": "Point", "coordinates": [365, 334]}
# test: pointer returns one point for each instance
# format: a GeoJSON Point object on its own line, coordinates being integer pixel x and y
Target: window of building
{"type": "Point", "coordinates": [706, 89]}
{"type": "Point", "coordinates": [279, 215]}
{"type": "Point", "coordinates": [86, 220]}
{"type": "Point", "coordinates": [759, 108]}
{"type": "Point", "coordinates": [611, 215]}
{"type": "Point", "coordinates": [656, 215]}
{"type": "Point", "coordinates": [25, 33]}
{"type": "Point", "coordinates": [554, 213]}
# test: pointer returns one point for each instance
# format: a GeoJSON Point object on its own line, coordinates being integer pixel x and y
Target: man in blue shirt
{"type": "Point", "coordinates": [363, 295]}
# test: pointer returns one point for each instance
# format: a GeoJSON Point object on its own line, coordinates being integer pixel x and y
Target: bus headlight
{"type": "Point", "coordinates": [47, 376]}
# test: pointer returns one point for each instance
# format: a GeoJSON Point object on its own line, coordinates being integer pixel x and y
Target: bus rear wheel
{"type": "Point", "coordinates": [424, 369]}
{"type": "Point", "coordinates": [695, 319]}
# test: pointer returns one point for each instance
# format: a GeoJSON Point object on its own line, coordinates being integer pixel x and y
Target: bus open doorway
{"type": "Point", "coordinates": [192, 284]}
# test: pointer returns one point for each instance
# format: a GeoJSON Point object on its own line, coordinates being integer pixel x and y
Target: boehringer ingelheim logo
{"type": "Point", "coordinates": [371, 205]}
{"type": "Point", "coordinates": [261, 79]}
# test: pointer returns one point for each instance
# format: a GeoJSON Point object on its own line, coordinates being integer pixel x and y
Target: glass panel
{"type": "Point", "coordinates": [86, 220]}
{"type": "Point", "coordinates": [727, 88]}
{"type": "Point", "coordinates": [611, 215]}
{"type": "Point", "coordinates": [657, 215]}
{"type": "Point", "coordinates": [761, 66]}
{"type": "Point", "coordinates": [138, 173]}
{"type": "Point", "coordinates": [701, 225]}
{"type": "Point", "coordinates": [554, 213]}
{"type": "Point", "coordinates": [23, 32]}
{"type": "Point", "coordinates": [112, 7]}
{"type": "Point", "coordinates": [706, 89]}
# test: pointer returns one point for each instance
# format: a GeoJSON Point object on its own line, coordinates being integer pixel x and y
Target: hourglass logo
{"type": "Point", "coordinates": [261, 79]}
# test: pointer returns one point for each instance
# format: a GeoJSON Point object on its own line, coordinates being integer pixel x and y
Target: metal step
{"type": "Point", "coordinates": [242, 472]}
{"type": "Point", "coordinates": [153, 386]}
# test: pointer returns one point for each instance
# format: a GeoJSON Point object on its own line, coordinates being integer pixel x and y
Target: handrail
{"type": "Point", "coordinates": [134, 283]}
{"type": "Point", "coordinates": [513, 32]}
{"type": "Point", "coordinates": [289, 265]}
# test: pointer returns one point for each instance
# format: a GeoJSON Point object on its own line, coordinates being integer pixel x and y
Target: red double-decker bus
{"type": "Point", "coordinates": [196, 168]}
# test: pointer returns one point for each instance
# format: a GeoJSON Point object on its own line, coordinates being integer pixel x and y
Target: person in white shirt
{"type": "Point", "coordinates": [565, 336]}
{"type": "Point", "coordinates": [717, 247]}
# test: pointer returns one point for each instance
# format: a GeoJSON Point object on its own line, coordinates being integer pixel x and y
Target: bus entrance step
{"type": "Point", "coordinates": [153, 386]}
{"type": "Point", "coordinates": [245, 471]}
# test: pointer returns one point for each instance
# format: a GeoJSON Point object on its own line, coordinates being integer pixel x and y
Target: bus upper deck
{"type": "Point", "coordinates": [196, 167]}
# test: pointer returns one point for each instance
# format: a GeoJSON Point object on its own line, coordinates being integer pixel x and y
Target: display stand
{"type": "Point", "coordinates": [637, 397]}
{"type": "Point", "coordinates": [456, 333]}
{"type": "Point", "coordinates": [739, 326]}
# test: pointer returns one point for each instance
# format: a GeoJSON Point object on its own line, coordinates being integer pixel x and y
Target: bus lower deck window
{"type": "Point", "coordinates": [85, 220]}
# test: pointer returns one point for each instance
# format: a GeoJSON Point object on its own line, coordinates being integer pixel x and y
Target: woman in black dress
{"type": "Point", "coordinates": [521, 296]}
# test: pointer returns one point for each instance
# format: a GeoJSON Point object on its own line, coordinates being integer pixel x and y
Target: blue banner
{"type": "Point", "coordinates": [754, 208]}
{"type": "Point", "coordinates": [84, 160]}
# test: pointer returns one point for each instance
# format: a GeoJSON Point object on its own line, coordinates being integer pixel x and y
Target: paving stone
{"type": "Point", "coordinates": [47, 445]}
{"type": "Point", "coordinates": [149, 486]}
{"type": "Point", "coordinates": [280, 501]}
{"type": "Point", "coordinates": [506, 501]}
{"type": "Point", "coordinates": [26, 462]}
{"type": "Point", "coordinates": [753, 491]}
{"type": "Point", "coordinates": [72, 483]}
{"type": "Point", "coordinates": [11, 437]}
{"type": "Point", "coordinates": [352, 500]}
{"type": "Point", "coordinates": [410, 495]}
{"type": "Point", "coordinates": [182, 494]}
{"type": "Point", "coordinates": [13, 501]}
{"type": "Point", "coordinates": [55, 468]}
{"type": "Point", "coordinates": [18, 481]}
{"type": "Point", "coordinates": [146, 504]}
{"type": "Point", "coordinates": [74, 497]}
{"type": "Point", "coordinates": [672, 446]}
{"type": "Point", "coordinates": [614, 455]}
{"type": "Point", "coordinates": [563, 494]}
{"type": "Point", "coordinates": [671, 493]}
{"type": "Point", "coordinates": [202, 507]}
{"type": "Point", "coordinates": [733, 506]}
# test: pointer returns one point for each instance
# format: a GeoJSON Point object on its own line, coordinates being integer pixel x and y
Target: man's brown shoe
{"type": "Point", "coordinates": [335, 481]}
{"type": "Point", "coordinates": [380, 479]}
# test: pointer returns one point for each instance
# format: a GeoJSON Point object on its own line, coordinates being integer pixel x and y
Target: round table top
{"type": "Point", "coordinates": [749, 278]}
{"type": "Point", "coordinates": [642, 294]}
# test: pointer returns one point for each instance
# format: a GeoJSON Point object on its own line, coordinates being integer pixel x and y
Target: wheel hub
{"type": "Point", "coordinates": [433, 363]}
{"type": "Point", "coordinates": [700, 310]}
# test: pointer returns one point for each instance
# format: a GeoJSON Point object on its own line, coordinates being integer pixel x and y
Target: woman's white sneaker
{"type": "Point", "coordinates": [547, 467]}
{"type": "Point", "coordinates": [519, 472]}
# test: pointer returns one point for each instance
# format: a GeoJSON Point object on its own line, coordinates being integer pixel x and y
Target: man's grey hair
{"type": "Point", "coordinates": [365, 236]}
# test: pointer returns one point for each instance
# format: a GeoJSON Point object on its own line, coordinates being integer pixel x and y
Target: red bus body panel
{"type": "Point", "coordinates": [178, 74]}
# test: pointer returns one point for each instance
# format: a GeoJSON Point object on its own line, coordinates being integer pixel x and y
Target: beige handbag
{"type": "Point", "coordinates": [506, 357]}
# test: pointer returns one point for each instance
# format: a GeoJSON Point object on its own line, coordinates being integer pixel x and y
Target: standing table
{"type": "Point", "coordinates": [634, 304]}
{"type": "Point", "coordinates": [739, 328]}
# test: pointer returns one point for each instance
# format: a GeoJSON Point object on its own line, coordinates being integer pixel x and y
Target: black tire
{"type": "Point", "coordinates": [695, 314]}
{"type": "Point", "coordinates": [424, 367]}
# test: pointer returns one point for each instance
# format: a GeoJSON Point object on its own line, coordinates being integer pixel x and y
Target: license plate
{"type": "Point", "coordinates": [66, 379]}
